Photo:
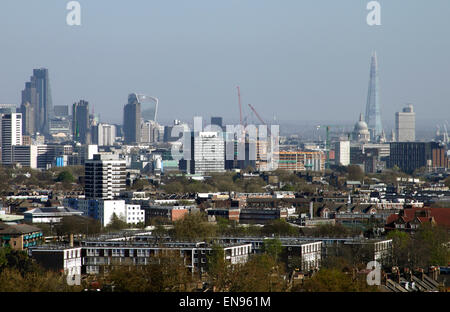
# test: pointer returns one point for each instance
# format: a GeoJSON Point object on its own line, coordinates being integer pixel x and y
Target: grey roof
{"type": "Point", "coordinates": [52, 211]}
{"type": "Point", "coordinates": [18, 229]}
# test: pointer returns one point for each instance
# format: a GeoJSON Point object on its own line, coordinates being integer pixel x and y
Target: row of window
{"type": "Point", "coordinates": [73, 253]}
{"type": "Point", "coordinates": [311, 248]}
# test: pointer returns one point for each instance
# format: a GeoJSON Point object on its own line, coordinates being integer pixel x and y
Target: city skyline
{"type": "Point", "coordinates": [282, 67]}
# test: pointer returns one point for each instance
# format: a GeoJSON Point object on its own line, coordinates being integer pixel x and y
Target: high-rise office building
{"type": "Point", "coordinates": [149, 106]}
{"type": "Point", "coordinates": [11, 135]}
{"type": "Point", "coordinates": [409, 156]}
{"type": "Point", "coordinates": [151, 132]}
{"type": "Point", "coordinates": [105, 176]}
{"type": "Point", "coordinates": [132, 120]}
{"type": "Point", "coordinates": [405, 124]}
{"type": "Point", "coordinates": [8, 108]}
{"type": "Point", "coordinates": [373, 112]}
{"type": "Point", "coordinates": [246, 159]}
{"type": "Point", "coordinates": [106, 134]}
{"type": "Point", "coordinates": [80, 122]}
{"type": "Point", "coordinates": [342, 153]}
{"type": "Point", "coordinates": [209, 152]}
{"type": "Point", "coordinates": [61, 110]}
{"type": "Point", "coordinates": [27, 111]}
{"type": "Point", "coordinates": [38, 93]}
{"type": "Point", "coordinates": [217, 121]}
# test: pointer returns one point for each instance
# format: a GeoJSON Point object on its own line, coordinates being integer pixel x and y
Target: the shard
{"type": "Point", "coordinates": [373, 113]}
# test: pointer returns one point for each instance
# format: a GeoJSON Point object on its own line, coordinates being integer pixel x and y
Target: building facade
{"type": "Point", "coordinates": [373, 111]}
{"type": "Point", "coordinates": [342, 153]}
{"type": "Point", "coordinates": [209, 153]}
{"type": "Point", "coordinates": [105, 176]}
{"type": "Point", "coordinates": [80, 122]}
{"type": "Point", "coordinates": [301, 160]}
{"type": "Point", "coordinates": [132, 120]}
{"type": "Point", "coordinates": [409, 156]}
{"type": "Point", "coordinates": [405, 125]}
{"type": "Point", "coordinates": [11, 135]}
{"type": "Point", "coordinates": [37, 92]}
{"type": "Point", "coordinates": [106, 134]}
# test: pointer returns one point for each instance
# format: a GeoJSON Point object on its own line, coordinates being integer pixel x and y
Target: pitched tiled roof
{"type": "Point", "coordinates": [18, 229]}
{"type": "Point", "coordinates": [441, 216]}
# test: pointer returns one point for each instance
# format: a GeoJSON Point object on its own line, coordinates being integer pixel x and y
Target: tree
{"type": "Point", "coordinates": [173, 188]}
{"type": "Point", "coordinates": [218, 268]}
{"type": "Point", "coordinates": [288, 188]}
{"type": "Point", "coordinates": [78, 225]}
{"type": "Point", "coordinates": [430, 246]}
{"type": "Point", "coordinates": [194, 226]}
{"type": "Point", "coordinates": [116, 224]}
{"type": "Point", "coordinates": [355, 173]}
{"type": "Point", "coordinates": [260, 274]}
{"type": "Point", "coordinates": [427, 247]}
{"type": "Point", "coordinates": [401, 245]}
{"type": "Point", "coordinates": [223, 225]}
{"type": "Point", "coordinates": [65, 176]}
{"type": "Point", "coordinates": [140, 185]}
{"type": "Point", "coordinates": [272, 247]}
{"type": "Point", "coordinates": [12, 280]}
{"type": "Point", "coordinates": [165, 272]}
{"type": "Point", "coordinates": [279, 227]}
{"type": "Point", "coordinates": [333, 280]}
{"type": "Point", "coordinates": [17, 260]}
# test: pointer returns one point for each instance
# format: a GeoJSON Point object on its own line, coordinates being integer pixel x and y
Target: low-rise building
{"type": "Point", "coordinates": [103, 210]}
{"type": "Point", "coordinates": [19, 236]}
{"type": "Point", "coordinates": [49, 214]}
{"type": "Point", "coordinates": [99, 255]}
{"type": "Point", "coordinates": [64, 259]}
{"type": "Point", "coordinates": [169, 212]}
{"type": "Point", "coordinates": [410, 219]}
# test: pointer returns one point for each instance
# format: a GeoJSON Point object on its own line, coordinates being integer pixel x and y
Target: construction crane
{"type": "Point", "coordinates": [240, 105]}
{"type": "Point", "coordinates": [259, 117]}
{"type": "Point", "coordinates": [327, 142]}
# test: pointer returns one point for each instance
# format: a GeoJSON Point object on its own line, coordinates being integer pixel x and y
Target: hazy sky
{"type": "Point", "coordinates": [297, 59]}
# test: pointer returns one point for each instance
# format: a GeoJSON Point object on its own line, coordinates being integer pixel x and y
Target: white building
{"type": "Point", "coordinates": [11, 135]}
{"type": "Point", "coordinates": [209, 152]}
{"type": "Point", "coordinates": [405, 124]}
{"type": "Point", "coordinates": [103, 210]}
{"type": "Point", "coordinates": [57, 258]}
{"type": "Point", "coordinates": [105, 176]}
{"type": "Point", "coordinates": [25, 155]}
{"type": "Point", "coordinates": [106, 134]}
{"type": "Point", "coordinates": [342, 153]}
{"type": "Point", "coordinates": [49, 214]}
{"type": "Point", "coordinates": [151, 132]}
{"type": "Point", "coordinates": [134, 214]}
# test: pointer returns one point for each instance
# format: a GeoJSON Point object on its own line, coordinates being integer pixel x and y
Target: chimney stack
{"type": "Point", "coordinates": [71, 240]}
{"type": "Point", "coordinates": [311, 210]}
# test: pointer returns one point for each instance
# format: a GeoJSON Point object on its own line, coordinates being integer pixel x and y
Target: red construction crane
{"type": "Point", "coordinates": [259, 117]}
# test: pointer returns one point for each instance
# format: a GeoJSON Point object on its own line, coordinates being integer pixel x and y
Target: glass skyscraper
{"type": "Point", "coordinates": [373, 113]}
{"type": "Point", "coordinates": [37, 92]}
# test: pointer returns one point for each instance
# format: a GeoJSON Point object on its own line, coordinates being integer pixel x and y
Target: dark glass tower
{"type": "Point", "coordinates": [373, 113]}
{"type": "Point", "coordinates": [37, 92]}
{"type": "Point", "coordinates": [80, 122]}
{"type": "Point", "coordinates": [132, 120]}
